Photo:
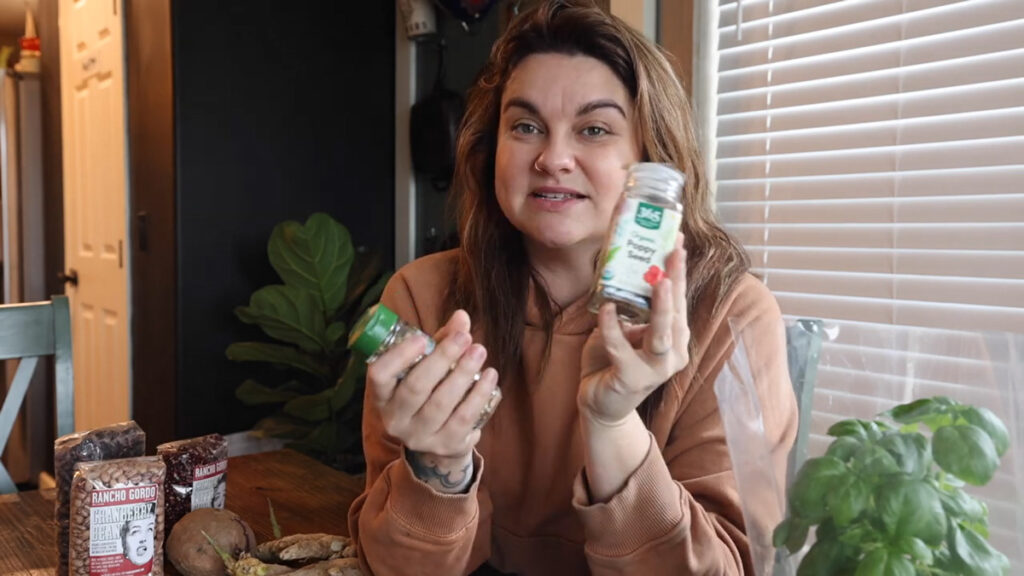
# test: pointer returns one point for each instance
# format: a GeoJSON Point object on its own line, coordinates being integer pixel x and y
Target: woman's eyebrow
{"type": "Point", "coordinates": [598, 104]}
{"type": "Point", "coordinates": [516, 102]}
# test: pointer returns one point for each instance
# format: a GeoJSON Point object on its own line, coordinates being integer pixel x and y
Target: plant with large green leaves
{"type": "Point", "coordinates": [327, 285]}
{"type": "Point", "coordinates": [888, 500]}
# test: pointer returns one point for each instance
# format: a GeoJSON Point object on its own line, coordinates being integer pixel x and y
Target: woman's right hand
{"type": "Point", "coordinates": [435, 410]}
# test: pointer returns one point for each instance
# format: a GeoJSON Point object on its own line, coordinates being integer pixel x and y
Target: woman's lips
{"type": "Point", "coordinates": [554, 199]}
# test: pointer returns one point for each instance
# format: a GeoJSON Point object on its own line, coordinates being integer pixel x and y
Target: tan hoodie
{"type": "Point", "coordinates": [527, 511]}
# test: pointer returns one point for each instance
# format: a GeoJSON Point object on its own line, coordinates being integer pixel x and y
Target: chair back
{"type": "Point", "coordinates": [30, 331]}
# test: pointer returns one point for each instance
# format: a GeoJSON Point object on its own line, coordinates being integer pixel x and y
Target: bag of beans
{"type": "Point", "coordinates": [197, 473]}
{"type": "Point", "coordinates": [124, 440]}
{"type": "Point", "coordinates": [117, 517]}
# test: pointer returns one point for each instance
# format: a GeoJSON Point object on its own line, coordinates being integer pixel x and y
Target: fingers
{"type": "Point", "coordinates": [382, 375]}
{"type": "Point", "coordinates": [658, 336]}
{"type": "Point", "coordinates": [425, 376]}
{"type": "Point", "coordinates": [677, 272]}
{"type": "Point", "coordinates": [618, 348]}
{"type": "Point", "coordinates": [459, 322]}
{"type": "Point", "coordinates": [447, 395]}
{"type": "Point", "coordinates": [675, 266]}
{"type": "Point", "coordinates": [475, 409]}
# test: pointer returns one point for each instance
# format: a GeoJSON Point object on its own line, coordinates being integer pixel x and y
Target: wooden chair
{"type": "Point", "coordinates": [28, 331]}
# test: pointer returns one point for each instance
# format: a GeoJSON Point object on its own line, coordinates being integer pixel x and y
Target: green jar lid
{"type": "Point", "coordinates": [371, 329]}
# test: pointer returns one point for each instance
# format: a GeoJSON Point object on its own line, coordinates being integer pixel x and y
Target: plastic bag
{"type": "Point", "coordinates": [117, 517]}
{"type": "Point", "coordinates": [196, 475]}
{"type": "Point", "coordinates": [865, 369]}
{"type": "Point", "coordinates": [124, 440]}
{"type": "Point", "coordinates": [762, 497]}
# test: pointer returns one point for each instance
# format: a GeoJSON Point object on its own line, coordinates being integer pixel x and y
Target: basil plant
{"type": "Point", "coordinates": [888, 500]}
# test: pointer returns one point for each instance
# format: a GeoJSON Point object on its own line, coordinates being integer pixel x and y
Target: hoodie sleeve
{"type": "Point", "coordinates": [399, 522]}
{"type": "Point", "coordinates": [680, 512]}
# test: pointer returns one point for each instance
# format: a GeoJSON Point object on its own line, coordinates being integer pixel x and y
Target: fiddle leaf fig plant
{"type": "Point", "coordinates": [327, 284]}
{"type": "Point", "coordinates": [888, 500]}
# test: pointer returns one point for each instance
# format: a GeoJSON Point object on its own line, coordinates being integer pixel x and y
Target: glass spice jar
{"type": "Point", "coordinates": [643, 234]}
{"type": "Point", "coordinates": [379, 329]}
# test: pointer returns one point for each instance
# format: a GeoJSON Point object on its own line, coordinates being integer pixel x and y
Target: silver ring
{"type": "Point", "coordinates": [488, 410]}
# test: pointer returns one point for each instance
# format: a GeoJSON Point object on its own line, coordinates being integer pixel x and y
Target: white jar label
{"type": "Point", "coordinates": [122, 526]}
{"type": "Point", "coordinates": [644, 236]}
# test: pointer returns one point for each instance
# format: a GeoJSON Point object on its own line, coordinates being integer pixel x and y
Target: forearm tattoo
{"type": "Point", "coordinates": [450, 481]}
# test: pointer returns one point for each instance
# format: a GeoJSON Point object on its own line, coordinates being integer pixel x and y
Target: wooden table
{"type": "Point", "coordinates": [307, 496]}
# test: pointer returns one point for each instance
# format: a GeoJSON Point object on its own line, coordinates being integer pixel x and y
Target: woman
{"type": "Point", "coordinates": [607, 455]}
{"type": "Point", "coordinates": [137, 538]}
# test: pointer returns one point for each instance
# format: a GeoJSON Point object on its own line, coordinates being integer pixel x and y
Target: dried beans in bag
{"type": "Point", "coordinates": [117, 518]}
{"type": "Point", "coordinates": [124, 440]}
{"type": "Point", "coordinates": [196, 475]}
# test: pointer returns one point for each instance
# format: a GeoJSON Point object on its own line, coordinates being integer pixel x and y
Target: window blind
{"type": "Point", "coordinates": [869, 154]}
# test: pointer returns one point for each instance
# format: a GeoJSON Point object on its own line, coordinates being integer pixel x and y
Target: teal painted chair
{"type": "Point", "coordinates": [28, 332]}
{"type": "Point", "coordinates": [803, 349]}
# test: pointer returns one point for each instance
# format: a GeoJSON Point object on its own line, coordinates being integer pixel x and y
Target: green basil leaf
{"type": "Point", "coordinates": [816, 479]}
{"type": "Point", "coordinates": [980, 527]}
{"type": "Point", "coordinates": [825, 557]}
{"type": "Point", "coordinates": [914, 548]}
{"type": "Point", "coordinates": [861, 429]}
{"type": "Point", "coordinates": [911, 509]}
{"type": "Point", "coordinates": [967, 452]}
{"type": "Point", "coordinates": [848, 500]}
{"type": "Point", "coordinates": [781, 532]}
{"type": "Point", "coordinates": [944, 560]}
{"type": "Point", "coordinates": [984, 418]}
{"type": "Point", "coordinates": [791, 533]}
{"type": "Point", "coordinates": [857, 534]}
{"type": "Point", "coordinates": [918, 410]}
{"type": "Point", "coordinates": [959, 504]}
{"type": "Point", "coordinates": [974, 556]}
{"type": "Point", "coordinates": [315, 257]}
{"type": "Point", "coordinates": [873, 461]}
{"type": "Point", "coordinates": [912, 453]}
{"type": "Point", "coordinates": [844, 447]}
{"type": "Point", "coordinates": [827, 530]}
{"type": "Point", "coordinates": [884, 562]}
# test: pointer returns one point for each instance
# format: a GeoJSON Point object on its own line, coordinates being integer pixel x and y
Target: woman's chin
{"type": "Point", "coordinates": [553, 240]}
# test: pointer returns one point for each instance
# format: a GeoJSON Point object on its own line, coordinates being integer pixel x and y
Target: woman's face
{"type": "Point", "coordinates": [565, 140]}
{"type": "Point", "coordinates": [138, 541]}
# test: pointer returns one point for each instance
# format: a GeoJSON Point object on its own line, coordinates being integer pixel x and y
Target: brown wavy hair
{"type": "Point", "coordinates": [493, 275]}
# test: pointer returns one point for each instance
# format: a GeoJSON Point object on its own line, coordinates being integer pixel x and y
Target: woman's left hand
{"type": "Point", "coordinates": [622, 365]}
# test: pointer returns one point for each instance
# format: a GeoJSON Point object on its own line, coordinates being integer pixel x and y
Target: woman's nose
{"type": "Point", "coordinates": [557, 157]}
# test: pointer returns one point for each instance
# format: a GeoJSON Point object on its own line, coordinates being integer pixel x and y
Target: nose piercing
{"type": "Point", "coordinates": [536, 165]}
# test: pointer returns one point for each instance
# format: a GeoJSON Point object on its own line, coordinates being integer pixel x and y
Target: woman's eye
{"type": "Point", "coordinates": [524, 128]}
{"type": "Point", "coordinates": [593, 131]}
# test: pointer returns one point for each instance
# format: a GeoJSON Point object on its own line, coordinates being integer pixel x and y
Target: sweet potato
{"type": "Point", "coordinates": [190, 551]}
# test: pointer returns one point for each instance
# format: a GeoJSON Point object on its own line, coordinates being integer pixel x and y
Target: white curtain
{"type": "Point", "coordinates": [870, 156]}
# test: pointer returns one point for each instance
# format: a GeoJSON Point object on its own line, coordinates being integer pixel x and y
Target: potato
{"type": "Point", "coordinates": [192, 554]}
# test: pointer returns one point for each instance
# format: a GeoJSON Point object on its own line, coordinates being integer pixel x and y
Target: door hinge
{"type": "Point", "coordinates": [115, 7]}
{"type": "Point", "coordinates": [120, 253]}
